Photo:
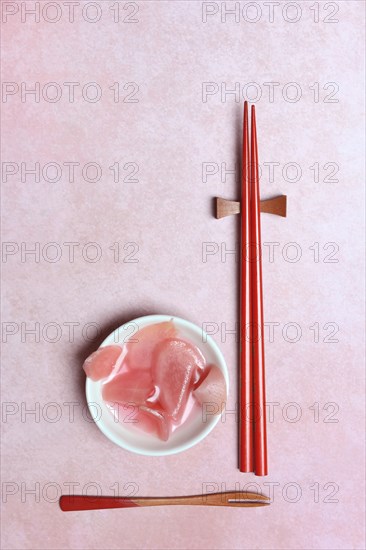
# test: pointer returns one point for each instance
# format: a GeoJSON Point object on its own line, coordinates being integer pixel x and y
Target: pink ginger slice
{"type": "Point", "coordinates": [101, 363]}
{"type": "Point", "coordinates": [140, 352]}
{"type": "Point", "coordinates": [153, 421]}
{"type": "Point", "coordinates": [150, 419]}
{"type": "Point", "coordinates": [129, 387]}
{"type": "Point", "coordinates": [212, 389]}
{"type": "Point", "coordinates": [175, 366]}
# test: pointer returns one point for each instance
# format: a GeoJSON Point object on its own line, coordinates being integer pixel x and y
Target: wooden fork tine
{"type": "Point", "coordinates": [245, 496]}
{"type": "Point", "coordinates": [233, 498]}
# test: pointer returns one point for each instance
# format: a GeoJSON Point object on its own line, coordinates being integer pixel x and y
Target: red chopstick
{"type": "Point", "coordinates": [252, 428]}
{"type": "Point", "coordinates": [259, 396]}
{"type": "Point", "coordinates": [246, 462]}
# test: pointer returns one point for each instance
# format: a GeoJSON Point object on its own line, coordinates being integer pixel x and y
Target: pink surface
{"type": "Point", "coordinates": [314, 384]}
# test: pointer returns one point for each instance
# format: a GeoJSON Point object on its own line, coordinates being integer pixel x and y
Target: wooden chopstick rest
{"type": "Point", "coordinates": [276, 206]}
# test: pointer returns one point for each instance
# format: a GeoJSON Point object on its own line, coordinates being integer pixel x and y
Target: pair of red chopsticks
{"type": "Point", "coordinates": [252, 431]}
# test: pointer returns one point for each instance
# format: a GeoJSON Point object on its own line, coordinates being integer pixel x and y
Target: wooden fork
{"type": "Point", "coordinates": [237, 499]}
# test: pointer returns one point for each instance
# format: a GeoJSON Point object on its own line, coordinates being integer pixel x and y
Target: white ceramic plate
{"type": "Point", "coordinates": [192, 431]}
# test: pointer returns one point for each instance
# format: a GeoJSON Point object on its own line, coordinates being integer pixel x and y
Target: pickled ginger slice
{"type": "Point", "coordinates": [212, 390]}
{"type": "Point", "coordinates": [175, 366]}
{"type": "Point", "coordinates": [142, 344]}
{"type": "Point", "coordinates": [100, 364]}
{"type": "Point", "coordinates": [129, 387]}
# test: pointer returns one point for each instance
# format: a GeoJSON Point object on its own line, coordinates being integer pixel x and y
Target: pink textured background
{"type": "Point", "coordinates": [169, 133]}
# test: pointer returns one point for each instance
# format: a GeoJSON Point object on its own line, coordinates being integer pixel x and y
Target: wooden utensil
{"type": "Point", "coordinates": [257, 323]}
{"type": "Point", "coordinates": [236, 499]}
{"type": "Point", "coordinates": [246, 434]}
{"type": "Point", "coordinates": [252, 425]}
